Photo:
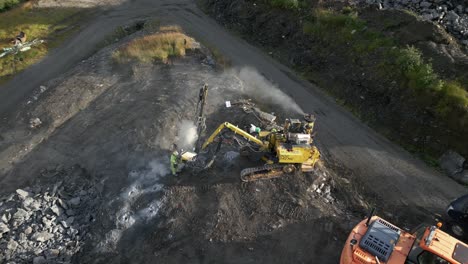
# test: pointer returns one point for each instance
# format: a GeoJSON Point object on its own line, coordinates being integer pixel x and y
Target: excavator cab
{"type": "Point", "coordinates": [375, 241]}
{"type": "Point", "coordinates": [293, 126]}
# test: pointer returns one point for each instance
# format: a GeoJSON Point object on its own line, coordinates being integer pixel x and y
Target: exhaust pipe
{"type": "Point", "coordinates": [370, 216]}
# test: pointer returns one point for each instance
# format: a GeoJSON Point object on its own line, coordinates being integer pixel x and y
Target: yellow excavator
{"type": "Point", "coordinates": [284, 151]}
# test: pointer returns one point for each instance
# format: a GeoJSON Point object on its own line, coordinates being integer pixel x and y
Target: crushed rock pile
{"type": "Point", "coordinates": [48, 223]}
{"type": "Point", "coordinates": [451, 14]}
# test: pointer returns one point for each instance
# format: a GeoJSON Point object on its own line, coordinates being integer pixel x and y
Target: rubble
{"type": "Point", "coordinates": [455, 166]}
{"type": "Point", "coordinates": [36, 228]}
{"type": "Point", "coordinates": [451, 14]}
{"type": "Point", "coordinates": [35, 122]}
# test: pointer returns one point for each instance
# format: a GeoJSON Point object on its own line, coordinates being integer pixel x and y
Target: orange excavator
{"type": "Point", "coordinates": [376, 241]}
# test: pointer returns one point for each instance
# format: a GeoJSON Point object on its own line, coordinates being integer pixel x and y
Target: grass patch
{"type": "Point", "coordinates": [50, 24]}
{"type": "Point", "coordinates": [168, 42]}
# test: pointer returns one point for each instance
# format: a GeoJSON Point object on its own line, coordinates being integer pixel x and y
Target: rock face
{"type": "Point", "coordinates": [36, 225]}
{"type": "Point", "coordinates": [451, 14]}
{"type": "Point", "coordinates": [455, 166]}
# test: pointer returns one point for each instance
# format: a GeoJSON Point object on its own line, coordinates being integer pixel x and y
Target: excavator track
{"type": "Point", "coordinates": [268, 171]}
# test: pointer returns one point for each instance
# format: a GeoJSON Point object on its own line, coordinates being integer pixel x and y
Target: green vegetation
{"type": "Point", "coordinates": [447, 99]}
{"type": "Point", "coordinates": [50, 24]}
{"type": "Point", "coordinates": [8, 4]}
{"type": "Point", "coordinates": [345, 28]}
{"type": "Point", "coordinates": [168, 42]}
{"type": "Point", "coordinates": [285, 4]}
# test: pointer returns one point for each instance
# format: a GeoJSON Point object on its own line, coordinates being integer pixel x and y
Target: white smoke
{"type": "Point", "coordinates": [186, 135]}
{"type": "Point", "coordinates": [257, 87]}
{"type": "Point", "coordinates": [141, 182]}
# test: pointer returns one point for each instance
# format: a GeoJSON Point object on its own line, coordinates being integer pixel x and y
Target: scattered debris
{"type": "Point", "coordinates": [20, 47]}
{"type": "Point", "coordinates": [36, 228]}
{"type": "Point", "coordinates": [35, 122]}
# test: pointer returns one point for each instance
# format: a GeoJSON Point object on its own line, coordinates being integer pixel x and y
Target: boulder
{"type": "Point", "coordinates": [452, 162]}
{"type": "Point", "coordinates": [4, 228]}
{"type": "Point", "coordinates": [22, 193]}
{"type": "Point", "coordinates": [42, 236]}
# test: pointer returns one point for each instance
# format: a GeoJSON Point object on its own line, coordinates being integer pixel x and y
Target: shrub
{"type": "Point", "coordinates": [160, 46]}
{"type": "Point", "coordinates": [7, 4]}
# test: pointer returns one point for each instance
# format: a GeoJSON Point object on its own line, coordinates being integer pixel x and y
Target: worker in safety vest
{"type": "Point", "coordinates": [175, 158]}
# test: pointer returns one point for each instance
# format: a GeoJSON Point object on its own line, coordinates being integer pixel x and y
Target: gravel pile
{"type": "Point", "coordinates": [452, 15]}
{"type": "Point", "coordinates": [48, 223]}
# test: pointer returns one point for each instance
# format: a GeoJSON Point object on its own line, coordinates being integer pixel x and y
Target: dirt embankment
{"type": "Point", "coordinates": [360, 80]}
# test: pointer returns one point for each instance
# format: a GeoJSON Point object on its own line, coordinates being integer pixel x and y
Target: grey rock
{"type": "Point", "coordinates": [72, 232]}
{"type": "Point", "coordinates": [4, 228]}
{"type": "Point", "coordinates": [47, 223]}
{"type": "Point", "coordinates": [12, 245]}
{"type": "Point", "coordinates": [20, 216]}
{"type": "Point", "coordinates": [22, 193]}
{"type": "Point", "coordinates": [56, 210]}
{"type": "Point", "coordinates": [42, 236]}
{"type": "Point", "coordinates": [425, 4]}
{"type": "Point", "coordinates": [74, 201]}
{"type": "Point", "coordinates": [452, 16]}
{"type": "Point", "coordinates": [39, 260]}
{"type": "Point", "coordinates": [52, 253]}
{"type": "Point", "coordinates": [65, 224]}
{"type": "Point", "coordinates": [70, 212]}
{"type": "Point", "coordinates": [5, 218]}
{"type": "Point", "coordinates": [22, 238]}
{"type": "Point", "coordinates": [70, 220]}
{"type": "Point", "coordinates": [35, 122]}
{"type": "Point", "coordinates": [452, 162]}
{"type": "Point", "coordinates": [31, 204]}
{"type": "Point", "coordinates": [62, 204]}
{"type": "Point", "coordinates": [28, 230]}
{"type": "Point", "coordinates": [428, 16]}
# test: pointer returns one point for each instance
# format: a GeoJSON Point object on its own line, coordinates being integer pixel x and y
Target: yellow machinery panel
{"type": "Point", "coordinates": [293, 154]}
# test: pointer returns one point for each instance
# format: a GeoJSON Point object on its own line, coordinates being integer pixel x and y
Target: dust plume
{"type": "Point", "coordinates": [257, 87]}
{"type": "Point", "coordinates": [186, 134]}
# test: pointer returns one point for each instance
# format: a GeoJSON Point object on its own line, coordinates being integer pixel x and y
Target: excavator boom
{"type": "Point", "coordinates": [236, 130]}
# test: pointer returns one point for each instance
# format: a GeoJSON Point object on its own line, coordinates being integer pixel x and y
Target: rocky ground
{"type": "Point", "coordinates": [452, 15]}
{"type": "Point", "coordinates": [49, 222]}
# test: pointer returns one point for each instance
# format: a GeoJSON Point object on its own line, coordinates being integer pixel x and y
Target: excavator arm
{"type": "Point", "coordinates": [236, 130]}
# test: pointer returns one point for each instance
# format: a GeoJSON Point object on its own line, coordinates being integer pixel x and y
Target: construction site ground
{"type": "Point", "coordinates": [117, 123]}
